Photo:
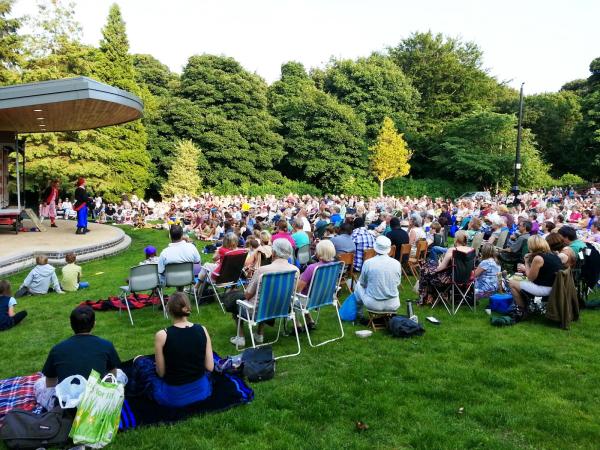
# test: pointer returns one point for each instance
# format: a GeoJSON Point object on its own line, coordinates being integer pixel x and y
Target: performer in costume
{"type": "Point", "coordinates": [49, 199]}
{"type": "Point", "coordinates": [81, 206]}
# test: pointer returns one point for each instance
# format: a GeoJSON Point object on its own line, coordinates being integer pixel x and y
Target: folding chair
{"type": "Point", "coordinates": [142, 278]}
{"type": "Point", "coordinates": [379, 320]}
{"type": "Point", "coordinates": [180, 275]}
{"type": "Point", "coordinates": [404, 257]}
{"type": "Point", "coordinates": [348, 272]}
{"type": "Point", "coordinates": [275, 298]}
{"type": "Point", "coordinates": [476, 242]}
{"type": "Point", "coordinates": [392, 252]}
{"type": "Point", "coordinates": [501, 242]}
{"type": "Point", "coordinates": [368, 254]}
{"type": "Point", "coordinates": [462, 282]}
{"type": "Point", "coordinates": [321, 292]}
{"type": "Point", "coordinates": [303, 255]}
{"type": "Point", "coordinates": [229, 276]}
{"type": "Point", "coordinates": [414, 263]}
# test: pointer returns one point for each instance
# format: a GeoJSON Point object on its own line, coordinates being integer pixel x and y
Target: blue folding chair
{"type": "Point", "coordinates": [275, 295]}
{"type": "Point", "coordinates": [321, 292]}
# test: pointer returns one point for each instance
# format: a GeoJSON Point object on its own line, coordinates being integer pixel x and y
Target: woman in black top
{"type": "Point", "coordinates": [183, 359]}
{"type": "Point", "coordinates": [540, 269]}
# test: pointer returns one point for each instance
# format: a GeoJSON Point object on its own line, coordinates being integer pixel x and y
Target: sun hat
{"type": "Point", "coordinates": [382, 245]}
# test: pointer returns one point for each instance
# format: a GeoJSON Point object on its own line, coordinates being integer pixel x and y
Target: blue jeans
{"type": "Point", "coordinates": [435, 253]}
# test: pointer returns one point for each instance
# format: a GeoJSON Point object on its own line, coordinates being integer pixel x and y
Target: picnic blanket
{"type": "Point", "coordinates": [138, 301]}
{"type": "Point", "coordinates": [228, 391]}
{"type": "Point", "coordinates": [17, 392]}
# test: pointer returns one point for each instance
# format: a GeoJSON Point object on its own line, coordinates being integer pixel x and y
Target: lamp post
{"type": "Point", "coordinates": [515, 188]}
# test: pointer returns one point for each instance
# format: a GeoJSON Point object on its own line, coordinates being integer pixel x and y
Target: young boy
{"type": "Point", "coordinates": [151, 257]}
{"type": "Point", "coordinates": [8, 317]}
{"type": "Point", "coordinates": [40, 279]}
{"type": "Point", "coordinates": [71, 274]}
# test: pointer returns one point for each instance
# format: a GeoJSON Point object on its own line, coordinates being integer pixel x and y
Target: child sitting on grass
{"type": "Point", "coordinates": [486, 274]}
{"type": "Point", "coordinates": [71, 275]}
{"type": "Point", "coordinates": [8, 317]}
{"type": "Point", "coordinates": [40, 279]}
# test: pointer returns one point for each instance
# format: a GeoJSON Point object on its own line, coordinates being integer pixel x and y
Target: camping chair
{"type": "Point", "coordinates": [180, 275]}
{"type": "Point", "coordinates": [476, 242]}
{"type": "Point", "coordinates": [303, 255]}
{"type": "Point", "coordinates": [462, 283]}
{"type": "Point", "coordinates": [379, 320]}
{"type": "Point", "coordinates": [501, 242]}
{"type": "Point", "coordinates": [229, 276]}
{"type": "Point", "coordinates": [275, 298]}
{"type": "Point", "coordinates": [142, 278]}
{"type": "Point", "coordinates": [321, 292]}
{"type": "Point", "coordinates": [348, 272]}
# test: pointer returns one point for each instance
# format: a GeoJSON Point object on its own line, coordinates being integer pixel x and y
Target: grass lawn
{"type": "Point", "coordinates": [527, 386]}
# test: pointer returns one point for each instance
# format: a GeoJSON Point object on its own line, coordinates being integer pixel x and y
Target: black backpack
{"type": "Point", "coordinates": [400, 326]}
{"type": "Point", "coordinates": [259, 364]}
{"type": "Point", "coordinates": [27, 430]}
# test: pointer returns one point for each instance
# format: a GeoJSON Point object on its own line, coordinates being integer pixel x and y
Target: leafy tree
{"type": "Point", "coordinates": [153, 74]}
{"type": "Point", "coordinates": [390, 155]}
{"type": "Point", "coordinates": [223, 109]}
{"type": "Point", "coordinates": [183, 175]}
{"type": "Point", "coordinates": [376, 88]}
{"type": "Point", "coordinates": [324, 140]}
{"type": "Point", "coordinates": [480, 148]}
{"type": "Point", "coordinates": [10, 44]}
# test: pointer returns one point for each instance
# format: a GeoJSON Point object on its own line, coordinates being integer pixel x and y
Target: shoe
{"type": "Point", "coordinates": [86, 230]}
{"type": "Point", "coordinates": [259, 338]}
{"type": "Point", "coordinates": [53, 225]}
{"type": "Point", "coordinates": [79, 231]}
{"type": "Point", "coordinates": [238, 341]}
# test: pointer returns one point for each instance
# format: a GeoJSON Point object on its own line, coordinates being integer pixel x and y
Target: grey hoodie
{"type": "Point", "coordinates": [40, 279]}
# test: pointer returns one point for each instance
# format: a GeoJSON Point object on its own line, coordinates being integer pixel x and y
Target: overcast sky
{"type": "Point", "coordinates": [542, 43]}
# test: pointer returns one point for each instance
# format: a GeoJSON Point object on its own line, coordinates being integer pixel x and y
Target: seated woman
{"type": "Point", "coordinates": [540, 268]}
{"type": "Point", "coordinates": [433, 275]}
{"type": "Point", "coordinates": [265, 249]}
{"type": "Point", "coordinates": [253, 259]}
{"type": "Point", "coordinates": [486, 274]}
{"type": "Point", "coordinates": [557, 246]}
{"type": "Point", "coordinates": [416, 233]}
{"type": "Point", "coordinates": [498, 226]}
{"type": "Point", "coordinates": [230, 243]}
{"type": "Point", "coordinates": [183, 360]}
{"type": "Point", "coordinates": [473, 228]}
{"type": "Point", "coordinates": [325, 253]}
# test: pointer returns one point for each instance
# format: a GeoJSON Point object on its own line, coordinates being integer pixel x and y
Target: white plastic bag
{"type": "Point", "coordinates": [70, 391]}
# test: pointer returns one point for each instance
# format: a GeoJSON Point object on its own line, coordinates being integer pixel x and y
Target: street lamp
{"type": "Point", "coordinates": [515, 188]}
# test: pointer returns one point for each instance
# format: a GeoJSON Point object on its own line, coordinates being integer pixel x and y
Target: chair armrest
{"type": "Point", "coordinates": [246, 304]}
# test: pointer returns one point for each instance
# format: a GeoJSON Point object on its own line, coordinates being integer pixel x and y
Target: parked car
{"type": "Point", "coordinates": [481, 195]}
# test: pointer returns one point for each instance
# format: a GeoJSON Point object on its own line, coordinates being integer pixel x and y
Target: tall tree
{"type": "Point", "coordinates": [389, 155]}
{"type": "Point", "coordinates": [10, 44]}
{"type": "Point", "coordinates": [184, 178]}
{"type": "Point", "coordinates": [375, 88]}
{"type": "Point", "coordinates": [324, 140]}
{"type": "Point", "coordinates": [223, 108]}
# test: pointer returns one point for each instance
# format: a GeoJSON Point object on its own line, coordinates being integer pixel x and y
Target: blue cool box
{"type": "Point", "coordinates": [501, 303]}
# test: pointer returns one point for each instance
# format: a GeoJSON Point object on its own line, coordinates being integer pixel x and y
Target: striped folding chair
{"type": "Point", "coordinates": [275, 295]}
{"type": "Point", "coordinates": [321, 292]}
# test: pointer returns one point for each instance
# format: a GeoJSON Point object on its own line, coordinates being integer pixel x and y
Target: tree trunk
{"type": "Point", "coordinates": [381, 188]}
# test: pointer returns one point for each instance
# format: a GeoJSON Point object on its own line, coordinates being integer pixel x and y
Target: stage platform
{"type": "Point", "coordinates": [18, 252]}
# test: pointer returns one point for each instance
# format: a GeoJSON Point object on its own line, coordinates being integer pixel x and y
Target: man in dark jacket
{"type": "Point", "coordinates": [397, 235]}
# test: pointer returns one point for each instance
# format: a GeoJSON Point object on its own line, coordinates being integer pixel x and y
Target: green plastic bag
{"type": "Point", "coordinates": [98, 414]}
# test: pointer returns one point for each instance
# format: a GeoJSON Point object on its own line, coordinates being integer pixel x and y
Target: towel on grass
{"type": "Point", "coordinates": [138, 301]}
{"type": "Point", "coordinates": [17, 393]}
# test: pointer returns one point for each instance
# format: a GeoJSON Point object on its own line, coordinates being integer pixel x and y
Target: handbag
{"type": "Point", "coordinates": [259, 364]}
{"type": "Point", "coordinates": [98, 414]}
{"type": "Point", "coordinates": [27, 430]}
{"type": "Point", "coordinates": [348, 310]}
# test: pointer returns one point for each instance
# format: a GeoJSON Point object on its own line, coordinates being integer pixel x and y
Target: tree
{"type": "Point", "coordinates": [183, 176]}
{"type": "Point", "coordinates": [10, 44]}
{"type": "Point", "coordinates": [480, 147]}
{"type": "Point", "coordinates": [390, 155]}
{"type": "Point", "coordinates": [375, 88]}
{"type": "Point", "coordinates": [222, 108]}
{"type": "Point", "coordinates": [323, 139]}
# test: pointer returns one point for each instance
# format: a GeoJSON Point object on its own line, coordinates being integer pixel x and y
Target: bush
{"type": "Point", "coordinates": [267, 188]}
{"type": "Point", "coordinates": [360, 185]}
{"type": "Point", "coordinates": [569, 179]}
{"type": "Point", "coordinates": [432, 187]}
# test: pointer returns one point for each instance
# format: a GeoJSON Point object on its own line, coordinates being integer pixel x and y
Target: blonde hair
{"type": "Point", "coordinates": [41, 260]}
{"type": "Point", "coordinates": [460, 237]}
{"type": "Point", "coordinates": [487, 251]}
{"type": "Point", "coordinates": [265, 237]}
{"type": "Point", "coordinates": [325, 251]}
{"type": "Point", "coordinates": [230, 240]}
{"type": "Point", "coordinates": [537, 244]}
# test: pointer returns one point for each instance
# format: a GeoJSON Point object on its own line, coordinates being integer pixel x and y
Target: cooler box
{"type": "Point", "coordinates": [501, 303]}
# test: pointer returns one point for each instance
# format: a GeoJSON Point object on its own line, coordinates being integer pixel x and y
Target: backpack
{"type": "Point", "coordinates": [259, 364]}
{"type": "Point", "coordinates": [27, 430]}
{"type": "Point", "coordinates": [230, 300]}
{"type": "Point", "coordinates": [400, 326]}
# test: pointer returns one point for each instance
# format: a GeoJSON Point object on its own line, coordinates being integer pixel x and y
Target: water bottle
{"type": "Point", "coordinates": [410, 313]}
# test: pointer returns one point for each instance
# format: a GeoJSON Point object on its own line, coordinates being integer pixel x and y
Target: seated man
{"type": "Point", "coordinates": [282, 252]}
{"type": "Point", "coordinates": [178, 251]}
{"type": "Point", "coordinates": [514, 253]}
{"type": "Point", "coordinates": [363, 240]}
{"type": "Point", "coordinates": [377, 287]}
{"type": "Point", "coordinates": [397, 236]}
{"type": "Point", "coordinates": [77, 355]}
{"type": "Point", "coordinates": [343, 242]}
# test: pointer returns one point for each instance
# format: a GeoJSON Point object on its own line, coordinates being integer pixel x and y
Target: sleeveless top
{"type": "Point", "coordinates": [547, 273]}
{"type": "Point", "coordinates": [184, 352]}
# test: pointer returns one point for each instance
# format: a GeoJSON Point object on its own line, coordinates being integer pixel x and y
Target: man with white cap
{"type": "Point", "coordinates": [377, 287]}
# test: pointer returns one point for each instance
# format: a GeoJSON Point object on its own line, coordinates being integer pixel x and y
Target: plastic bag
{"type": "Point", "coordinates": [70, 391]}
{"type": "Point", "coordinates": [348, 310]}
{"type": "Point", "coordinates": [98, 414]}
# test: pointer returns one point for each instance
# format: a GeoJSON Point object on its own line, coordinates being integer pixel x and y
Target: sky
{"type": "Point", "coordinates": [541, 43]}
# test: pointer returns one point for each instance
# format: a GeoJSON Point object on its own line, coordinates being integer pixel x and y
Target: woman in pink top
{"type": "Point", "coordinates": [282, 233]}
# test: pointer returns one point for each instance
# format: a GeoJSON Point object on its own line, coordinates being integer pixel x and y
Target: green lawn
{"type": "Point", "coordinates": [528, 386]}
